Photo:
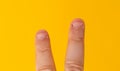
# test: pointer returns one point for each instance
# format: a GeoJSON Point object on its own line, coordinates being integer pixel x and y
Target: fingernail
{"type": "Point", "coordinates": [77, 23]}
{"type": "Point", "coordinates": [41, 35]}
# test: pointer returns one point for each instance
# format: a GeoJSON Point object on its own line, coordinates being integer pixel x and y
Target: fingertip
{"type": "Point", "coordinates": [41, 35]}
{"type": "Point", "coordinates": [42, 31]}
{"type": "Point", "coordinates": [77, 29]}
{"type": "Point", "coordinates": [78, 20]}
{"type": "Point", "coordinates": [77, 24]}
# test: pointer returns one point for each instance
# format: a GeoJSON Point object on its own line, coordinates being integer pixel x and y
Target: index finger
{"type": "Point", "coordinates": [75, 51]}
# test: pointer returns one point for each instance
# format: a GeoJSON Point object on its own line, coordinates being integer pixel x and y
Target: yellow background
{"type": "Point", "coordinates": [21, 19]}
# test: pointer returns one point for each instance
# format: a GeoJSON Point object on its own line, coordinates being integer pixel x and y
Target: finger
{"type": "Point", "coordinates": [75, 50]}
{"type": "Point", "coordinates": [44, 58]}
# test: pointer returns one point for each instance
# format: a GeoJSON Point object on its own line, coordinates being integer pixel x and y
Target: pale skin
{"type": "Point", "coordinates": [74, 60]}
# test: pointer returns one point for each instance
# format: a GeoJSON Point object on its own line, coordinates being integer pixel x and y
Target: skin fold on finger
{"type": "Point", "coordinates": [75, 51]}
{"type": "Point", "coordinates": [44, 58]}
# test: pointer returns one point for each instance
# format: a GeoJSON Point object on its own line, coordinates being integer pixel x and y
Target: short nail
{"type": "Point", "coordinates": [42, 35]}
{"type": "Point", "coordinates": [77, 23]}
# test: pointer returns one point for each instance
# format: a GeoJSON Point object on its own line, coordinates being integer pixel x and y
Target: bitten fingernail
{"type": "Point", "coordinates": [77, 23]}
{"type": "Point", "coordinates": [41, 35]}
